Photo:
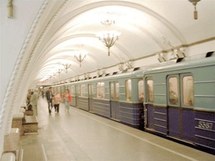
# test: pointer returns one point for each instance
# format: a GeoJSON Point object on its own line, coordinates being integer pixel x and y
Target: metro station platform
{"type": "Point", "coordinates": [81, 136]}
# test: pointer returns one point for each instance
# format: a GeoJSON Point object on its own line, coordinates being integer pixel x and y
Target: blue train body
{"type": "Point", "coordinates": [176, 101]}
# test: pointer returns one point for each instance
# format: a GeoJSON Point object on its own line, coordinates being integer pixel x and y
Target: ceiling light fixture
{"type": "Point", "coordinates": [195, 13]}
{"type": "Point", "coordinates": [67, 66]}
{"type": "Point", "coordinates": [10, 8]}
{"type": "Point", "coordinates": [80, 56]}
{"type": "Point", "coordinates": [109, 36]}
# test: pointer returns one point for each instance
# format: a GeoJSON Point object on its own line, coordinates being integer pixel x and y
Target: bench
{"type": "Point", "coordinates": [12, 146]}
{"type": "Point", "coordinates": [11, 141]}
{"type": "Point", "coordinates": [17, 122]}
{"type": "Point", "coordinates": [30, 125]}
{"type": "Point", "coordinates": [8, 157]}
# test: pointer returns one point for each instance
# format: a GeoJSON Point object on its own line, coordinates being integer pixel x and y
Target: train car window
{"type": "Point", "coordinates": [83, 90]}
{"type": "Point", "coordinates": [114, 90]}
{"type": "Point", "coordinates": [78, 90]}
{"type": "Point", "coordinates": [117, 90]}
{"type": "Point", "coordinates": [141, 90]}
{"type": "Point", "coordinates": [150, 90]}
{"type": "Point", "coordinates": [90, 89]}
{"type": "Point", "coordinates": [187, 88]}
{"type": "Point", "coordinates": [100, 90]}
{"type": "Point", "coordinates": [128, 90]}
{"type": "Point", "coordinates": [173, 90]}
{"type": "Point", "coordinates": [94, 90]}
{"type": "Point", "coordinates": [73, 90]}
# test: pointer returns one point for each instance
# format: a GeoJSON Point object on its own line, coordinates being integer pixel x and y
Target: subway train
{"type": "Point", "coordinates": [176, 101]}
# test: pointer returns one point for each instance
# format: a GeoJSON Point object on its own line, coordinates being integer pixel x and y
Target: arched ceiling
{"type": "Point", "coordinates": [146, 26]}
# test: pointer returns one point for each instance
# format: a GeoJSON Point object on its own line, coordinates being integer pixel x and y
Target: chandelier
{"type": "Point", "coordinates": [80, 56]}
{"type": "Point", "coordinates": [109, 36]}
{"type": "Point", "coordinates": [195, 13]}
{"type": "Point", "coordinates": [67, 66]}
{"type": "Point", "coordinates": [59, 71]}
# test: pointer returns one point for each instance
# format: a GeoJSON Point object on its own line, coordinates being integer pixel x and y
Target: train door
{"type": "Point", "coordinates": [114, 100]}
{"type": "Point", "coordinates": [77, 91]}
{"type": "Point", "coordinates": [148, 108]}
{"type": "Point", "coordinates": [180, 106]}
{"type": "Point", "coordinates": [141, 100]}
{"type": "Point", "coordinates": [72, 90]}
{"type": "Point", "coordinates": [90, 87]}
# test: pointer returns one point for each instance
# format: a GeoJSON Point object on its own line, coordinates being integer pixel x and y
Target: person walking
{"type": "Point", "coordinates": [49, 96]}
{"type": "Point", "coordinates": [67, 99]}
{"type": "Point", "coordinates": [56, 102]}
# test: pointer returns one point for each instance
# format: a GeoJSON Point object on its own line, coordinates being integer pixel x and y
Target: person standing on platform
{"type": "Point", "coordinates": [28, 99]}
{"type": "Point", "coordinates": [68, 99]}
{"type": "Point", "coordinates": [33, 102]}
{"type": "Point", "coordinates": [49, 96]}
{"type": "Point", "coordinates": [56, 102]}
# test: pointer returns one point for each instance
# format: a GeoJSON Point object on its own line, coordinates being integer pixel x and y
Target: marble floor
{"type": "Point", "coordinates": [81, 136]}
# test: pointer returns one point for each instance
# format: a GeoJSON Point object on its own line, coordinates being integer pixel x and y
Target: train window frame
{"type": "Point", "coordinates": [90, 90]}
{"type": "Point", "coordinates": [149, 78]}
{"type": "Point", "coordinates": [114, 89]}
{"type": "Point", "coordinates": [72, 90]}
{"type": "Point", "coordinates": [117, 90]}
{"type": "Point", "coordinates": [190, 103]}
{"type": "Point", "coordinates": [141, 90]}
{"type": "Point", "coordinates": [94, 90]}
{"type": "Point", "coordinates": [112, 92]}
{"type": "Point", "coordinates": [83, 90]}
{"type": "Point", "coordinates": [78, 90]}
{"type": "Point", "coordinates": [100, 88]}
{"type": "Point", "coordinates": [172, 92]}
{"type": "Point", "coordinates": [128, 90]}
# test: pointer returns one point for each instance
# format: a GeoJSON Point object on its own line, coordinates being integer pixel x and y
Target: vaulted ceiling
{"type": "Point", "coordinates": [147, 28]}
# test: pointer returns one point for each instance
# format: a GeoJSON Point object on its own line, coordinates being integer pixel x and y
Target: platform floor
{"type": "Point", "coordinates": [81, 136]}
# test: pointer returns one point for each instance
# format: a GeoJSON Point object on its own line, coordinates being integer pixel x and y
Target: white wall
{"type": "Point", "coordinates": [13, 32]}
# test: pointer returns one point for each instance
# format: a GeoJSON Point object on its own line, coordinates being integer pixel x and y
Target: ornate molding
{"type": "Point", "coordinates": [6, 104]}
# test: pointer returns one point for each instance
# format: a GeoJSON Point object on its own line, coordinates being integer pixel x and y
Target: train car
{"type": "Point", "coordinates": [118, 97]}
{"type": "Point", "coordinates": [180, 102]}
{"type": "Point", "coordinates": [100, 97]}
{"type": "Point", "coordinates": [174, 100]}
{"type": "Point", "coordinates": [129, 106]}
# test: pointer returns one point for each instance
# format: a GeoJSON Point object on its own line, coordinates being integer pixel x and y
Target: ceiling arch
{"type": "Point", "coordinates": [80, 24]}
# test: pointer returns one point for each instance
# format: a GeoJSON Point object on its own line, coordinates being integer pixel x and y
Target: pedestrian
{"type": "Point", "coordinates": [49, 96]}
{"type": "Point", "coordinates": [56, 102]}
{"type": "Point", "coordinates": [67, 99]}
{"type": "Point", "coordinates": [28, 99]}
